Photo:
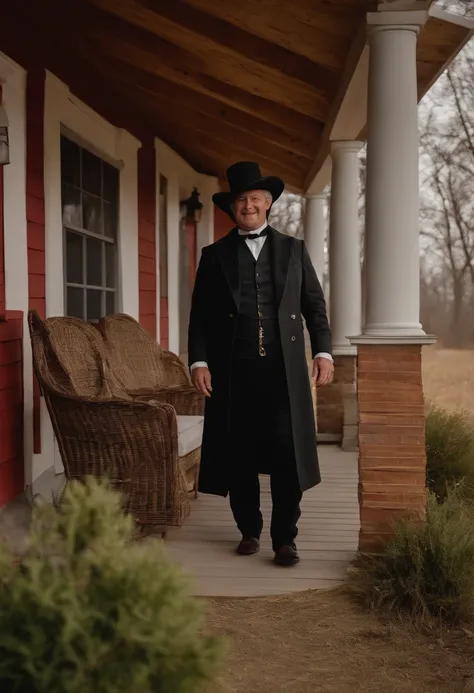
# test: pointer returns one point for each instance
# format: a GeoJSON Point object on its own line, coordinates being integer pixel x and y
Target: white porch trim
{"type": "Point", "coordinates": [181, 177]}
{"type": "Point", "coordinates": [63, 112]}
{"type": "Point", "coordinates": [13, 79]}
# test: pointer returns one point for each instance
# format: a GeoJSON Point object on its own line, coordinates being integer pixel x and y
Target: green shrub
{"type": "Point", "coordinates": [89, 611]}
{"type": "Point", "coordinates": [428, 568]}
{"type": "Point", "coordinates": [449, 451]}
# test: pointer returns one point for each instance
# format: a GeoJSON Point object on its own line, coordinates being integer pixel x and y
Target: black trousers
{"type": "Point", "coordinates": [262, 442]}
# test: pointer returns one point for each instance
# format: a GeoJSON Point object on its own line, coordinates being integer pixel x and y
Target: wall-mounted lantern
{"type": "Point", "coordinates": [4, 145]}
{"type": "Point", "coordinates": [193, 206]}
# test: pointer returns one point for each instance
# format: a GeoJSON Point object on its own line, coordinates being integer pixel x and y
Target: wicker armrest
{"type": "Point", "coordinates": [176, 372]}
{"type": "Point", "coordinates": [186, 401]}
{"type": "Point", "coordinates": [134, 444]}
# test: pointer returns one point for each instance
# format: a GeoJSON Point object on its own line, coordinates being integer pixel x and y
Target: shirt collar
{"type": "Point", "coordinates": [245, 233]}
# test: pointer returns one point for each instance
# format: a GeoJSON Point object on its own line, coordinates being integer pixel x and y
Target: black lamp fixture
{"type": "Point", "coordinates": [4, 144]}
{"type": "Point", "coordinates": [193, 205]}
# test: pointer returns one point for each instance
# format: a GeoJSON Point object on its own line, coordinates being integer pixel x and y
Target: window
{"type": "Point", "coordinates": [90, 193]}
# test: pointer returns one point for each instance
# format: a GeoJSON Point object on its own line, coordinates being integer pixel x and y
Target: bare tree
{"type": "Point", "coordinates": [447, 175]}
{"type": "Point", "coordinates": [287, 214]}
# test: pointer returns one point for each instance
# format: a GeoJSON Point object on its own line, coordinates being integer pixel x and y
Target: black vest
{"type": "Point", "coordinates": [257, 293]}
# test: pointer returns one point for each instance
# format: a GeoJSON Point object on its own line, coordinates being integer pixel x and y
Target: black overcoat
{"type": "Point", "coordinates": [215, 305]}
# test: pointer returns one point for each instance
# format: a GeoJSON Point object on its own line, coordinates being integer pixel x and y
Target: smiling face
{"type": "Point", "coordinates": [250, 209]}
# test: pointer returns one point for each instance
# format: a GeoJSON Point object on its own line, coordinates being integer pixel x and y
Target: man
{"type": "Point", "coordinates": [247, 356]}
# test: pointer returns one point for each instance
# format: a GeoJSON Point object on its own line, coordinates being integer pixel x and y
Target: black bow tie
{"type": "Point", "coordinates": [252, 236]}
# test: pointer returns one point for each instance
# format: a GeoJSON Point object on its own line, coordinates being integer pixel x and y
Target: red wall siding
{"type": "Point", "coordinates": [35, 214]}
{"type": "Point", "coordinates": [222, 223]}
{"type": "Point", "coordinates": [2, 249]}
{"type": "Point", "coordinates": [164, 323]}
{"type": "Point", "coordinates": [147, 237]}
{"type": "Point", "coordinates": [11, 407]}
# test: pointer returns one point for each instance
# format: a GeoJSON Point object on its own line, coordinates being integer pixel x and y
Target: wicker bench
{"type": "Point", "coordinates": [149, 452]}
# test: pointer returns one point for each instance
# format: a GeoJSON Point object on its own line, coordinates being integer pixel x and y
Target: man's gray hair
{"type": "Point", "coordinates": [268, 195]}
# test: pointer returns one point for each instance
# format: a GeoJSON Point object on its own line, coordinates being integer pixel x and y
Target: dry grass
{"type": "Point", "coordinates": [448, 377]}
{"type": "Point", "coordinates": [320, 642]}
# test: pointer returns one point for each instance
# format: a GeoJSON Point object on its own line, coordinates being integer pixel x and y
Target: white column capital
{"type": "Point", "coordinates": [345, 147]}
{"type": "Point", "coordinates": [406, 20]}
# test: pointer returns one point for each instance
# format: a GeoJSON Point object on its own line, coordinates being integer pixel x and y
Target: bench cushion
{"type": "Point", "coordinates": [190, 430]}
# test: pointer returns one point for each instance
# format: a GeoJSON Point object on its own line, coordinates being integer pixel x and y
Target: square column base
{"type": "Point", "coordinates": [392, 456]}
{"type": "Point", "coordinates": [334, 400]}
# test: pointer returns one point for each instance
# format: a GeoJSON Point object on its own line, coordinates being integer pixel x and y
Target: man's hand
{"type": "Point", "coordinates": [201, 378]}
{"type": "Point", "coordinates": [323, 371]}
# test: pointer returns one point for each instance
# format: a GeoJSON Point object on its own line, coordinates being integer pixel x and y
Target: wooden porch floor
{"type": "Point", "coordinates": [327, 540]}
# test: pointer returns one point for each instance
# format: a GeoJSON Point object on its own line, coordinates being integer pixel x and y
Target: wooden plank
{"type": "Point", "coordinates": [150, 52]}
{"type": "Point", "coordinates": [305, 142]}
{"type": "Point", "coordinates": [177, 65]}
{"type": "Point", "coordinates": [165, 111]}
{"type": "Point", "coordinates": [198, 31]}
{"type": "Point", "coordinates": [320, 33]}
{"type": "Point", "coordinates": [96, 34]}
{"type": "Point", "coordinates": [327, 542]}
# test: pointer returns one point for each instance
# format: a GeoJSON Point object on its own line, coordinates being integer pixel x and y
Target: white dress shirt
{"type": "Point", "coordinates": [255, 245]}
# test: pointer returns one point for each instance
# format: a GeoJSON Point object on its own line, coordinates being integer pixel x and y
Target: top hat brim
{"type": "Point", "coordinates": [274, 185]}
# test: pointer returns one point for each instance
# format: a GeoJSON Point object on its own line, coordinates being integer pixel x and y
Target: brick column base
{"type": "Point", "coordinates": [392, 458]}
{"type": "Point", "coordinates": [330, 399]}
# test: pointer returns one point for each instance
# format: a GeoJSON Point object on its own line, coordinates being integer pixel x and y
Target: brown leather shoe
{"type": "Point", "coordinates": [287, 555]}
{"type": "Point", "coordinates": [248, 546]}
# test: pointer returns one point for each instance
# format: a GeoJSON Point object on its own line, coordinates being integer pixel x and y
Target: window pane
{"type": "Point", "coordinates": [92, 213]}
{"type": "Point", "coordinates": [111, 183]}
{"type": "Point", "coordinates": [74, 259]}
{"type": "Point", "coordinates": [94, 262]}
{"type": "Point", "coordinates": [91, 173]}
{"type": "Point", "coordinates": [71, 200]}
{"type": "Point", "coordinates": [94, 304]}
{"type": "Point", "coordinates": [110, 265]}
{"type": "Point", "coordinates": [110, 220]}
{"type": "Point", "coordinates": [110, 302]}
{"type": "Point", "coordinates": [75, 302]}
{"type": "Point", "coordinates": [70, 162]}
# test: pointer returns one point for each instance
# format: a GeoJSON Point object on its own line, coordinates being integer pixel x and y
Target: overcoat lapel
{"type": "Point", "coordinates": [227, 251]}
{"type": "Point", "coordinates": [282, 250]}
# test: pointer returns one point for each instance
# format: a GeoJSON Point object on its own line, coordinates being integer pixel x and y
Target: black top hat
{"type": "Point", "coordinates": [242, 177]}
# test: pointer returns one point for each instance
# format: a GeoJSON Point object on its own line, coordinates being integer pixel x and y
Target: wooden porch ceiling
{"type": "Point", "coordinates": [222, 81]}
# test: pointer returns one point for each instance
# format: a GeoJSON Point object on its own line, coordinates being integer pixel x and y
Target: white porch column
{"type": "Point", "coordinates": [315, 231]}
{"type": "Point", "coordinates": [392, 208]}
{"type": "Point", "coordinates": [392, 457]}
{"type": "Point", "coordinates": [344, 247]}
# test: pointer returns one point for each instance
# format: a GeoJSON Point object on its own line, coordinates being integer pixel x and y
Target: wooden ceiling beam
{"type": "Point", "coordinates": [320, 31]}
{"type": "Point", "coordinates": [86, 21]}
{"type": "Point", "coordinates": [161, 57]}
{"type": "Point", "coordinates": [221, 133]}
{"type": "Point", "coordinates": [184, 25]}
{"type": "Point", "coordinates": [98, 30]}
{"type": "Point", "coordinates": [190, 78]}
{"type": "Point", "coordinates": [192, 101]}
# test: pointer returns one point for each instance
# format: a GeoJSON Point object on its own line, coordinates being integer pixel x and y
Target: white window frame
{"type": "Point", "coordinates": [66, 114]}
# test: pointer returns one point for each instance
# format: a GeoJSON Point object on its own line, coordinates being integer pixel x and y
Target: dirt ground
{"type": "Point", "coordinates": [448, 377]}
{"type": "Point", "coordinates": [321, 642]}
